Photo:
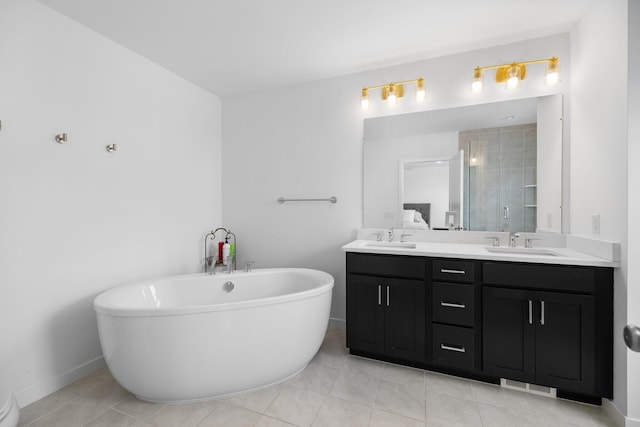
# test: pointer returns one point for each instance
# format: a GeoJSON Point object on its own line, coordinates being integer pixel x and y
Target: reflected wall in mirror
{"type": "Point", "coordinates": [489, 167]}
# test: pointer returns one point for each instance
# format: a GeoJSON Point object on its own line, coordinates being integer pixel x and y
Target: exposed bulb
{"type": "Point", "coordinates": [476, 86]}
{"type": "Point", "coordinates": [364, 99]}
{"type": "Point", "coordinates": [392, 99]}
{"type": "Point", "coordinates": [512, 82]}
{"type": "Point", "coordinates": [552, 71]}
{"type": "Point", "coordinates": [421, 93]}
{"type": "Point", "coordinates": [553, 78]}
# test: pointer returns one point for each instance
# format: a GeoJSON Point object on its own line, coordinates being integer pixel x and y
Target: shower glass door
{"type": "Point", "coordinates": [500, 178]}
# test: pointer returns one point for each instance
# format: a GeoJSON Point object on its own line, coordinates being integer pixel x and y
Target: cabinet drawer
{"type": "Point", "coordinates": [453, 303]}
{"type": "Point", "coordinates": [542, 276]}
{"type": "Point", "coordinates": [410, 267]}
{"type": "Point", "coordinates": [453, 270]}
{"type": "Point", "coordinates": [454, 346]}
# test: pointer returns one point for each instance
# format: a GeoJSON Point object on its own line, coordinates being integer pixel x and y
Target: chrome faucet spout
{"type": "Point", "coordinates": [512, 239]}
{"type": "Point", "coordinates": [391, 234]}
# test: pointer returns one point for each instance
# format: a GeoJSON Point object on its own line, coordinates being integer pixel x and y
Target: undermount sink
{"type": "Point", "coordinates": [404, 245]}
{"type": "Point", "coordinates": [522, 251]}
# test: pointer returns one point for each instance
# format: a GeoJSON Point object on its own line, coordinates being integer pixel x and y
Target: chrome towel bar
{"type": "Point", "coordinates": [332, 199]}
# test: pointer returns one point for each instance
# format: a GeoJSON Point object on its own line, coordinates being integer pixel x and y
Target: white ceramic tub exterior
{"type": "Point", "coordinates": [186, 338]}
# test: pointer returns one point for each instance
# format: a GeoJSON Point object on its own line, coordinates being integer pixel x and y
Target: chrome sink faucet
{"type": "Point", "coordinates": [391, 234]}
{"type": "Point", "coordinates": [512, 239]}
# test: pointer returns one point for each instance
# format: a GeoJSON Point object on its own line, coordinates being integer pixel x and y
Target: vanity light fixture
{"type": "Point", "coordinates": [513, 73]}
{"type": "Point", "coordinates": [391, 92]}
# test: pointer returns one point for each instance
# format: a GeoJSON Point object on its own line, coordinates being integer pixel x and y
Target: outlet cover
{"type": "Point", "coordinates": [595, 224]}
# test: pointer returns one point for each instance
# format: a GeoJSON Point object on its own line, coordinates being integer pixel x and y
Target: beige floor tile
{"type": "Point", "coordinates": [494, 395]}
{"type": "Point", "coordinates": [387, 419]}
{"type": "Point", "coordinates": [296, 406]}
{"type": "Point", "coordinates": [265, 421]}
{"type": "Point", "coordinates": [361, 365]}
{"type": "Point", "coordinates": [548, 410]}
{"type": "Point", "coordinates": [113, 418]}
{"type": "Point", "coordinates": [502, 417]}
{"type": "Point", "coordinates": [76, 413]}
{"type": "Point", "coordinates": [183, 414]}
{"type": "Point", "coordinates": [228, 415]}
{"type": "Point", "coordinates": [354, 387]}
{"type": "Point", "coordinates": [315, 377]}
{"type": "Point", "coordinates": [447, 409]}
{"type": "Point", "coordinates": [337, 412]}
{"type": "Point", "coordinates": [452, 386]}
{"type": "Point", "coordinates": [257, 401]}
{"type": "Point", "coordinates": [333, 352]}
{"type": "Point", "coordinates": [45, 405]}
{"type": "Point", "coordinates": [139, 409]}
{"type": "Point", "coordinates": [398, 399]}
{"type": "Point", "coordinates": [411, 378]}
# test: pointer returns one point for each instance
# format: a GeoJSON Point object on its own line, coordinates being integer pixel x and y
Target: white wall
{"type": "Point", "coordinates": [74, 219]}
{"type": "Point", "coordinates": [306, 141]}
{"type": "Point", "coordinates": [599, 147]}
{"type": "Point", "coordinates": [633, 269]}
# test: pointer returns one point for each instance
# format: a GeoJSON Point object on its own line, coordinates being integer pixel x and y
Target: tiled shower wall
{"type": "Point", "coordinates": [500, 175]}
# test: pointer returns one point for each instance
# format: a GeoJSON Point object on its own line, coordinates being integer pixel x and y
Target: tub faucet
{"type": "Point", "coordinates": [247, 266]}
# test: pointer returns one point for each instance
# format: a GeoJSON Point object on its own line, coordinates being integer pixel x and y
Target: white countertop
{"type": "Point", "coordinates": [562, 256]}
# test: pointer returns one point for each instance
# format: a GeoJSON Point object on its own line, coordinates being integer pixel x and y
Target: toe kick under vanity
{"type": "Point", "coordinates": [541, 321]}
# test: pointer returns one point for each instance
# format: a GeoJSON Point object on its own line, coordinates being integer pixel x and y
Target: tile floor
{"type": "Point", "coordinates": [335, 389]}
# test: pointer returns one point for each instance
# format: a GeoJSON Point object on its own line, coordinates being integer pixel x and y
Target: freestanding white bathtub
{"type": "Point", "coordinates": [187, 338]}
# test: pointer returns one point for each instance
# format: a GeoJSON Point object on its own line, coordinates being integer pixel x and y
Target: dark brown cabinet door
{"type": "Point", "coordinates": [365, 313]}
{"type": "Point", "coordinates": [508, 333]}
{"type": "Point", "coordinates": [405, 319]}
{"type": "Point", "coordinates": [565, 341]}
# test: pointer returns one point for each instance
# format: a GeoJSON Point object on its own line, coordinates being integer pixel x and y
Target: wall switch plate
{"type": "Point", "coordinates": [595, 224]}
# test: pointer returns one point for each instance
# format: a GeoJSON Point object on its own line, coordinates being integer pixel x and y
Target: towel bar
{"type": "Point", "coordinates": [332, 199]}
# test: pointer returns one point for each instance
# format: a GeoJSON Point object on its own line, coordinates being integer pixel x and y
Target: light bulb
{"type": "Point", "coordinates": [513, 76]}
{"type": "Point", "coordinates": [552, 71]}
{"type": "Point", "coordinates": [420, 90]}
{"type": "Point", "coordinates": [476, 86]}
{"type": "Point", "coordinates": [364, 99]}
{"type": "Point", "coordinates": [392, 98]}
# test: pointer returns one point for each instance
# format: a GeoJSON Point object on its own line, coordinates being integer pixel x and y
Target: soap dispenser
{"type": "Point", "coordinates": [226, 251]}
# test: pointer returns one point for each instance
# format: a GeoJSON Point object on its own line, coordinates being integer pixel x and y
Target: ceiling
{"type": "Point", "coordinates": [232, 47]}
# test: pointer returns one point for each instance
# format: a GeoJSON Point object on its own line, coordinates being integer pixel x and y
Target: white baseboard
{"type": "Point", "coordinates": [617, 416]}
{"type": "Point", "coordinates": [57, 382]}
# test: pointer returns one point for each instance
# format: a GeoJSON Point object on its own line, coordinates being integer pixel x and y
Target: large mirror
{"type": "Point", "coordinates": [488, 167]}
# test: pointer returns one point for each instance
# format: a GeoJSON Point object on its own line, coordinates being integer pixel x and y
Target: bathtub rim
{"type": "Point", "coordinates": [326, 284]}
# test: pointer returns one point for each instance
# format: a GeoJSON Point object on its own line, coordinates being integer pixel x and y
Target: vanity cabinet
{"type": "Point", "coordinates": [545, 324]}
{"type": "Point", "coordinates": [549, 325]}
{"type": "Point", "coordinates": [386, 303]}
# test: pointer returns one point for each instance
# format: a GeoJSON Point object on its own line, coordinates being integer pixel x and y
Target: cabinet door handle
{"type": "Point", "coordinates": [452, 305]}
{"type": "Point", "coordinates": [542, 312]}
{"type": "Point", "coordinates": [388, 302]}
{"type": "Point", "coordinates": [444, 270]}
{"type": "Point", "coordinates": [530, 312]}
{"type": "Point", "coordinates": [452, 348]}
{"type": "Point", "coordinates": [379, 294]}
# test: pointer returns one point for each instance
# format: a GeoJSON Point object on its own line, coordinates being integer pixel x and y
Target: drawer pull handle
{"type": "Point", "coordinates": [452, 305]}
{"type": "Point", "coordinates": [444, 270]}
{"type": "Point", "coordinates": [450, 348]}
{"type": "Point", "coordinates": [379, 294]}
{"type": "Point", "coordinates": [530, 312]}
{"type": "Point", "coordinates": [388, 301]}
{"type": "Point", "coordinates": [542, 312]}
